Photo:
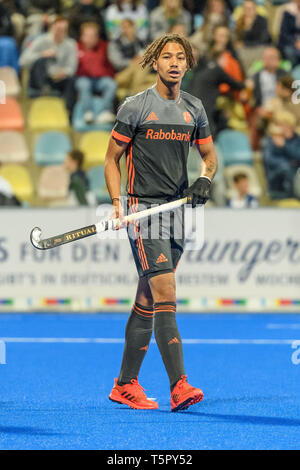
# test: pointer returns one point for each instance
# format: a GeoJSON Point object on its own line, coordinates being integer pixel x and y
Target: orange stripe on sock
{"type": "Point", "coordinates": [145, 311]}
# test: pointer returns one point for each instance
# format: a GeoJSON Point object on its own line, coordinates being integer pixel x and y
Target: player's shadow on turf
{"type": "Point", "coordinates": [260, 420]}
{"type": "Point", "coordinates": [28, 430]}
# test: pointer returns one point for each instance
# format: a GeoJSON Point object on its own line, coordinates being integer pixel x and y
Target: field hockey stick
{"type": "Point", "coordinates": [103, 226]}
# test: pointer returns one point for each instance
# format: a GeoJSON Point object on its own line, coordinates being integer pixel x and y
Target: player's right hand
{"type": "Point", "coordinates": [118, 213]}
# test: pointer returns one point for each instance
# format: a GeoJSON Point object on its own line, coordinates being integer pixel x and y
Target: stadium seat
{"type": "Point", "coordinates": [9, 56]}
{"type": "Point", "coordinates": [296, 72]}
{"type": "Point", "coordinates": [19, 178]}
{"type": "Point", "coordinates": [94, 146]}
{"type": "Point", "coordinates": [13, 147]}
{"type": "Point", "coordinates": [97, 184]}
{"type": "Point", "coordinates": [51, 148]}
{"type": "Point", "coordinates": [11, 117]}
{"type": "Point", "coordinates": [9, 77]}
{"type": "Point", "coordinates": [47, 113]}
{"type": "Point", "coordinates": [53, 183]}
{"type": "Point", "coordinates": [288, 204]}
{"type": "Point", "coordinates": [297, 184]}
{"type": "Point", "coordinates": [235, 148]}
{"type": "Point", "coordinates": [79, 123]}
{"type": "Point", "coordinates": [254, 186]}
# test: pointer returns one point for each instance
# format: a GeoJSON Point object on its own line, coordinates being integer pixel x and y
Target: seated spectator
{"type": "Point", "coordinates": [282, 154]}
{"type": "Point", "coordinates": [251, 28]}
{"type": "Point", "coordinates": [289, 36]}
{"type": "Point", "coordinates": [40, 15]}
{"type": "Point", "coordinates": [123, 9]}
{"type": "Point", "coordinates": [208, 75]}
{"type": "Point", "coordinates": [266, 78]}
{"type": "Point", "coordinates": [134, 79]}
{"type": "Point", "coordinates": [215, 14]}
{"type": "Point", "coordinates": [264, 89]}
{"type": "Point", "coordinates": [6, 27]}
{"type": "Point", "coordinates": [221, 43]}
{"type": "Point", "coordinates": [85, 11]}
{"type": "Point", "coordinates": [252, 35]}
{"type": "Point", "coordinates": [95, 74]}
{"type": "Point", "coordinates": [282, 102]}
{"type": "Point", "coordinates": [7, 197]}
{"type": "Point", "coordinates": [166, 15]}
{"type": "Point", "coordinates": [79, 184]}
{"type": "Point", "coordinates": [243, 199]}
{"type": "Point", "coordinates": [52, 59]}
{"type": "Point", "coordinates": [125, 49]}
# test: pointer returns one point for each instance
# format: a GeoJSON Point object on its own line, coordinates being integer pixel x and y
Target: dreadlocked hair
{"type": "Point", "coordinates": [154, 49]}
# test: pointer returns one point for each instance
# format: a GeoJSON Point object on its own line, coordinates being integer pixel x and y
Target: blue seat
{"type": "Point", "coordinates": [9, 55]}
{"type": "Point", "coordinates": [79, 123]}
{"type": "Point", "coordinates": [97, 184]}
{"type": "Point", "coordinates": [296, 72]}
{"type": "Point", "coordinates": [235, 148]}
{"type": "Point", "coordinates": [51, 148]}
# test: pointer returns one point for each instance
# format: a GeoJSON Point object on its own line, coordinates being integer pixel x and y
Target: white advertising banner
{"type": "Point", "coordinates": [250, 260]}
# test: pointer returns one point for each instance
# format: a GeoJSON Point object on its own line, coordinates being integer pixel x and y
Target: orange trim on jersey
{"type": "Point", "coordinates": [206, 140]}
{"type": "Point", "coordinates": [121, 137]}
{"type": "Point", "coordinates": [130, 169]}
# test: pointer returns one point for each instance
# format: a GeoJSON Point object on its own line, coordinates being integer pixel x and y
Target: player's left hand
{"type": "Point", "coordinates": [199, 191]}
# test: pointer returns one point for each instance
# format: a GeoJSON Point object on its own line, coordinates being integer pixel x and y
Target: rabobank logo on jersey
{"type": "Point", "coordinates": [170, 135]}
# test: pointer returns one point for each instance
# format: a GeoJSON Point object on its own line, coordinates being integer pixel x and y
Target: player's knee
{"type": "Point", "coordinates": [163, 288]}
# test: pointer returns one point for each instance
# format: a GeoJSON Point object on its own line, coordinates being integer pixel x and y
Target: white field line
{"type": "Point", "coordinates": [121, 341]}
{"type": "Point", "coordinates": [283, 326]}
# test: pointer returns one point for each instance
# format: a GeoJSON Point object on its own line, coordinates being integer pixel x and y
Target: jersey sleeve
{"type": "Point", "coordinates": [126, 121]}
{"type": "Point", "coordinates": [202, 134]}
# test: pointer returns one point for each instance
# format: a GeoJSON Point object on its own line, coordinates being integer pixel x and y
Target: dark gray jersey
{"type": "Point", "coordinates": [159, 133]}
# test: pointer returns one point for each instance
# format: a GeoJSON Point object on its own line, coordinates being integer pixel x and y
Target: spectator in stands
{"type": "Point", "coordinates": [282, 154]}
{"type": "Point", "coordinates": [132, 9]}
{"type": "Point", "coordinates": [266, 78]}
{"type": "Point", "coordinates": [244, 199]}
{"type": "Point", "coordinates": [166, 15]}
{"type": "Point", "coordinates": [95, 74]}
{"type": "Point", "coordinates": [252, 35]}
{"type": "Point", "coordinates": [282, 102]}
{"type": "Point", "coordinates": [40, 15]}
{"type": "Point", "coordinates": [221, 43]}
{"type": "Point", "coordinates": [126, 48]}
{"type": "Point", "coordinates": [6, 27]}
{"type": "Point", "coordinates": [85, 11]}
{"type": "Point", "coordinates": [79, 184]}
{"type": "Point", "coordinates": [52, 59]}
{"type": "Point", "coordinates": [251, 28]}
{"type": "Point", "coordinates": [215, 14]}
{"type": "Point", "coordinates": [264, 89]}
{"type": "Point", "coordinates": [208, 75]}
{"type": "Point", "coordinates": [7, 197]}
{"type": "Point", "coordinates": [289, 36]}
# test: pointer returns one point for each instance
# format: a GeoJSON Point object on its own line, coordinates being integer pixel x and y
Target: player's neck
{"type": "Point", "coordinates": [166, 91]}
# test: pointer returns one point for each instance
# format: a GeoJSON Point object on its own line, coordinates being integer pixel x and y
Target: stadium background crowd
{"type": "Point", "coordinates": [68, 64]}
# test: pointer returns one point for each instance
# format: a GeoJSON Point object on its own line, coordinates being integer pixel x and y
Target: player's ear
{"type": "Point", "coordinates": [154, 65]}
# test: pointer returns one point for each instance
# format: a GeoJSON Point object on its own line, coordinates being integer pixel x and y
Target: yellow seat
{"type": "Point", "coordinates": [48, 113]}
{"type": "Point", "coordinates": [94, 146]}
{"type": "Point", "coordinates": [289, 204]}
{"type": "Point", "coordinates": [19, 179]}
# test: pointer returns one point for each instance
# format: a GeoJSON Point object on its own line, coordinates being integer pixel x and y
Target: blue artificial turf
{"type": "Point", "coordinates": [54, 395]}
